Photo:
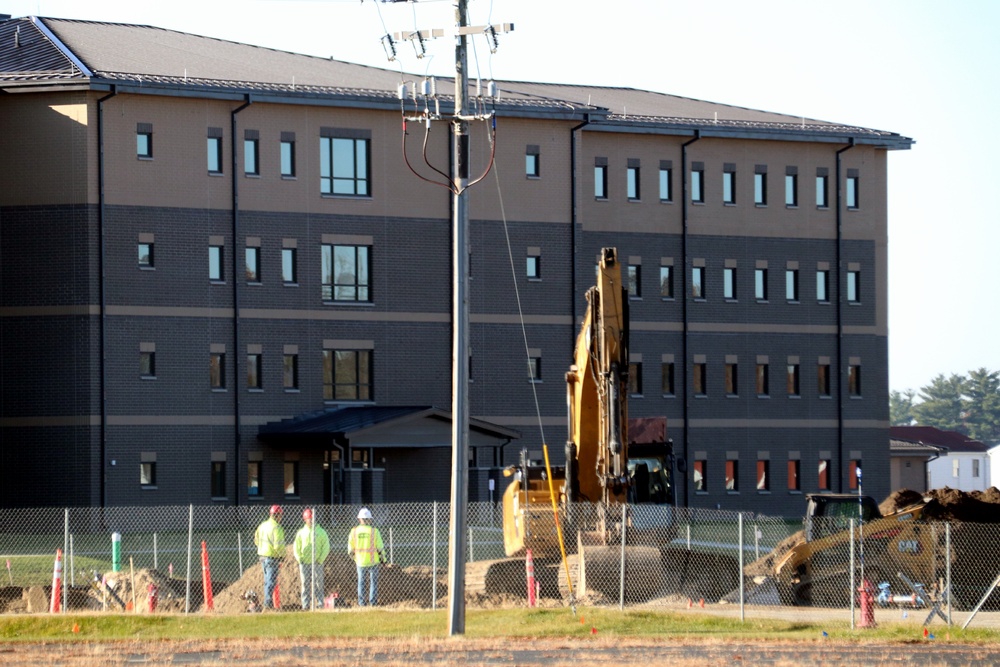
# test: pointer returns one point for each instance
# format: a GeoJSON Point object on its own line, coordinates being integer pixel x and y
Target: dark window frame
{"type": "Point", "coordinates": [359, 385]}
{"type": "Point", "coordinates": [334, 286]}
{"type": "Point", "coordinates": [353, 179]}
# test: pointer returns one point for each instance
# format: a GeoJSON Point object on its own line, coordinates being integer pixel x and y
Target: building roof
{"type": "Point", "coordinates": [899, 447]}
{"type": "Point", "coordinates": [952, 441]}
{"type": "Point", "coordinates": [140, 58]}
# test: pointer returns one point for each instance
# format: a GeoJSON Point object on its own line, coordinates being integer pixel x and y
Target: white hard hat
{"type": "Point", "coordinates": [365, 513]}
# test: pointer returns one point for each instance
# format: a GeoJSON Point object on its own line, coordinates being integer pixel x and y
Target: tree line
{"type": "Point", "coordinates": [969, 404]}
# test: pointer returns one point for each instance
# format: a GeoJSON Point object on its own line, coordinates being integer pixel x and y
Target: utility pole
{"type": "Point", "coordinates": [460, 305]}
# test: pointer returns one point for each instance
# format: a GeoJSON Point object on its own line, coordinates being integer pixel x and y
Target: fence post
{"type": "Point", "coordinates": [65, 589]}
{"type": "Point", "coordinates": [72, 562]}
{"type": "Point", "coordinates": [621, 572]}
{"type": "Point", "coordinates": [689, 536]}
{"type": "Point", "coordinates": [472, 546]}
{"type": "Point", "coordinates": [434, 556]}
{"type": "Point", "coordinates": [947, 566]}
{"type": "Point", "coordinates": [187, 593]}
{"type": "Point", "coordinates": [156, 554]}
{"type": "Point", "coordinates": [740, 573]}
{"type": "Point", "coordinates": [239, 550]}
{"type": "Point", "coordinates": [853, 582]}
{"type": "Point", "coordinates": [392, 549]}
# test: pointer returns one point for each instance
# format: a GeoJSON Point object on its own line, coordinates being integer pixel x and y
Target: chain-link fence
{"type": "Point", "coordinates": [187, 559]}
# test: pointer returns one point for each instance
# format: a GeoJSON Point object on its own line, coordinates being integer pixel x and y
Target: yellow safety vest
{"type": "Point", "coordinates": [366, 543]}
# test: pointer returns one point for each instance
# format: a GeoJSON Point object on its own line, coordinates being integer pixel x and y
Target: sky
{"type": "Point", "coordinates": [924, 69]}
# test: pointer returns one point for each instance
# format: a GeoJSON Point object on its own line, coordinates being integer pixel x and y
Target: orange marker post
{"type": "Point", "coordinates": [529, 571]}
{"type": "Point", "coordinates": [206, 578]}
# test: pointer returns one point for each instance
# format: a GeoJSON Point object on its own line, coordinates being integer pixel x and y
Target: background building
{"type": "Point", "coordinates": [963, 463]}
{"type": "Point", "coordinates": [201, 239]}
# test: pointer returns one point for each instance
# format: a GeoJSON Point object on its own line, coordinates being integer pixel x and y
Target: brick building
{"type": "Point", "coordinates": [203, 240]}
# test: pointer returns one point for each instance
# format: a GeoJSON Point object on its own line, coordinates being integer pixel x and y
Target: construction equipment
{"type": "Point", "coordinates": [603, 468]}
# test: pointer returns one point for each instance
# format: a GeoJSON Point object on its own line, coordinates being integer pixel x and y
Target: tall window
{"type": "Point", "coordinates": [794, 475]}
{"type": "Point", "coordinates": [215, 263]}
{"type": "Point", "coordinates": [698, 282]}
{"type": "Point", "coordinates": [823, 286]}
{"type": "Point", "coordinates": [343, 166]}
{"type": "Point", "coordinates": [532, 162]}
{"type": "Point", "coordinates": [345, 273]}
{"type": "Point", "coordinates": [853, 467]}
{"type": "Point", "coordinates": [760, 186]}
{"type": "Point", "coordinates": [823, 481]}
{"type": "Point", "coordinates": [698, 183]}
{"type": "Point", "coordinates": [254, 371]}
{"type": "Point", "coordinates": [667, 282]}
{"type": "Point", "coordinates": [666, 181]}
{"type": "Point", "coordinates": [732, 379]}
{"type": "Point", "coordinates": [763, 475]}
{"type": "Point", "coordinates": [253, 265]}
{"type": "Point", "coordinates": [635, 379]}
{"type": "Point", "coordinates": [854, 379]}
{"type": "Point", "coordinates": [667, 378]}
{"type": "Point", "coordinates": [851, 194]}
{"type": "Point", "coordinates": [732, 475]}
{"type": "Point", "coordinates": [534, 266]}
{"type": "Point", "coordinates": [347, 375]}
{"type": "Point", "coordinates": [853, 286]}
{"type": "Point", "coordinates": [217, 370]}
{"type": "Point", "coordinates": [215, 150]}
{"type": "Point", "coordinates": [291, 475]}
{"type": "Point", "coordinates": [146, 255]}
{"type": "Point", "coordinates": [290, 372]}
{"type": "Point", "coordinates": [147, 364]}
{"type": "Point", "coordinates": [289, 269]}
{"type": "Point", "coordinates": [288, 155]}
{"type": "Point", "coordinates": [147, 473]}
{"type": "Point", "coordinates": [760, 284]}
{"type": "Point", "coordinates": [762, 381]}
{"type": "Point", "coordinates": [144, 141]}
{"type": "Point", "coordinates": [251, 153]}
{"type": "Point", "coordinates": [791, 186]}
{"type": "Point", "coordinates": [601, 178]}
{"type": "Point", "coordinates": [792, 284]}
{"type": "Point", "coordinates": [632, 180]}
{"type": "Point", "coordinates": [792, 380]}
{"type": "Point", "coordinates": [255, 486]}
{"type": "Point", "coordinates": [729, 184]}
{"type": "Point", "coordinates": [699, 475]}
{"type": "Point", "coordinates": [822, 188]}
{"type": "Point", "coordinates": [699, 379]}
{"type": "Point", "coordinates": [729, 283]}
{"type": "Point", "coordinates": [534, 369]}
{"type": "Point", "coordinates": [823, 378]}
{"type": "Point", "coordinates": [218, 479]}
{"type": "Point", "coordinates": [634, 280]}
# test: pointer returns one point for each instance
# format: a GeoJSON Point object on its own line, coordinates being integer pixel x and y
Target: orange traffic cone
{"type": "Point", "coordinates": [54, 604]}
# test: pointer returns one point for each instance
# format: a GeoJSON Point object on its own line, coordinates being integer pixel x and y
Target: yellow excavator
{"type": "Point", "coordinates": [581, 503]}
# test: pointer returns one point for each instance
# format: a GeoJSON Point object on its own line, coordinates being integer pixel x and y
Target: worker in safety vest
{"type": "Point", "coordinates": [365, 547]}
{"type": "Point", "coordinates": [270, 541]}
{"type": "Point", "coordinates": [312, 546]}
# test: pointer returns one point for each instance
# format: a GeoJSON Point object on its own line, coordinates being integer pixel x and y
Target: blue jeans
{"type": "Point", "coordinates": [315, 591]}
{"type": "Point", "coordinates": [372, 572]}
{"type": "Point", "coordinates": [270, 567]}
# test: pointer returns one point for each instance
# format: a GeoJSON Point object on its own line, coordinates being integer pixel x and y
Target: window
{"type": "Point", "coordinates": [667, 378]}
{"type": "Point", "coordinates": [345, 273]}
{"type": "Point", "coordinates": [254, 371]}
{"type": "Point", "coordinates": [760, 284]}
{"type": "Point", "coordinates": [853, 286]}
{"type": "Point", "coordinates": [255, 487]}
{"type": "Point", "coordinates": [699, 380]}
{"type": "Point", "coordinates": [698, 282]}
{"type": "Point", "coordinates": [290, 372]}
{"type": "Point", "coordinates": [287, 155]}
{"type": "Point", "coordinates": [147, 364]}
{"type": "Point", "coordinates": [632, 180]}
{"type": "Point", "coordinates": [792, 284]}
{"type": "Point", "coordinates": [854, 379]}
{"type": "Point", "coordinates": [146, 255]}
{"type": "Point", "coordinates": [347, 375]}
{"type": "Point", "coordinates": [601, 178]}
{"type": "Point", "coordinates": [763, 475]}
{"type": "Point", "coordinates": [822, 188]}
{"type": "Point", "coordinates": [853, 471]}
{"type": "Point", "coordinates": [253, 265]}
{"type": "Point", "coordinates": [666, 282]}
{"type": "Point", "coordinates": [794, 474]}
{"type": "Point", "coordinates": [792, 379]}
{"type": "Point", "coordinates": [532, 162]}
{"type": "Point", "coordinates": [851, 193]}
{"type": "Point", "coordinates": [699, 475]}
{"type": "Point", "coordinates": [289, 268]}
{"type": "Point", "coordinates": [635, 378]}
{"type": "Point", "coordinates": [215, 263]}
{"type": "Point", "coordinates": [534, 369]}
{"type": "Point", "coordinates": [634, 281]}
{"type": "Point", "coordinates": [823, 378]}
{"type": "Point", "coordinates": [218, 479]}
{"type": "Point", "coordinates": [955, 468]}
{"type": "Point", "coordinates": [534, 267]}
{"type": "Point", "coordinates": [147, 473]}
{"type": "Point", "coordinates": [975, 467]}
{"type": "Point", "coordinates": [732, 379]}
{"type": "Point", "coordinates": [251, 153]}
{"type": "Point", "coordinates": [729, 184]}
{"type": "Point", "coordinates": [215, 150]}
{"type": "Point", "coordinates": [729, 283]}
{"type": "Point", "coordinates": [791, 186]}
{"type": "Point", "coordinates": [823, 286]}
{"type": "Point", "coordinates": [666, 180]}
{"type": "Point", "coordinates": [732, 475]}
{"type": "Point", "coordinates": [762, 382]}
{"type": "Point", "coordinates": [291, 478]}
{"type": "Point", "coordinates": [144, 141]}
{"type": "Point", "coordinates": [697, 183]}
{"type": "Point", "coordinates": [343, 164]}
{"type": "Point", "coordinates": [760, 186]}
{"type": "Point", "coordinates": [217, 370]}
{"type": "Point", "coordinates": [823, 482]}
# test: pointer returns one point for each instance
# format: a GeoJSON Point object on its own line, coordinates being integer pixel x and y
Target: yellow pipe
{"type": "Point", "coordinates": [555, 511]}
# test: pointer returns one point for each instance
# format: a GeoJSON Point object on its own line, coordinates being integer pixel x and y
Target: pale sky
{"type": "Point", "coordinates": [924, 69]}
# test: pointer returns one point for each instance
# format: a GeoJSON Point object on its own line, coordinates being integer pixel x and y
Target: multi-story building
{"type": "Point", "coordinates": [209, 247]}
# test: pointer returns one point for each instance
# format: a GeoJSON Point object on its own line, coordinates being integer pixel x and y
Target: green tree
{"type": "Point", "coordinates": [901, 407]}
{"type": "Point", "coordinates": [942, 404]}
{"type": "Point", "coordinates": [982, 404]}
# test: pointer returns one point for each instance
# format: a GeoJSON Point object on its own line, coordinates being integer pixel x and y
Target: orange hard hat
{"type": "Point", "coordinates": [275, 509]}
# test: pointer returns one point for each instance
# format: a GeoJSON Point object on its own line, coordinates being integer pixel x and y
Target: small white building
{"type": "Point", "coordinates": [964, 464]}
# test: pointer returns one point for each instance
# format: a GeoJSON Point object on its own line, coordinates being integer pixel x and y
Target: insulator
{"type": "Point", "coordinates": [492, 89]}
{"type": "Point", "coordinates": [425, 88]}
{"type": "Point", "coordinates": [401, 91]}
